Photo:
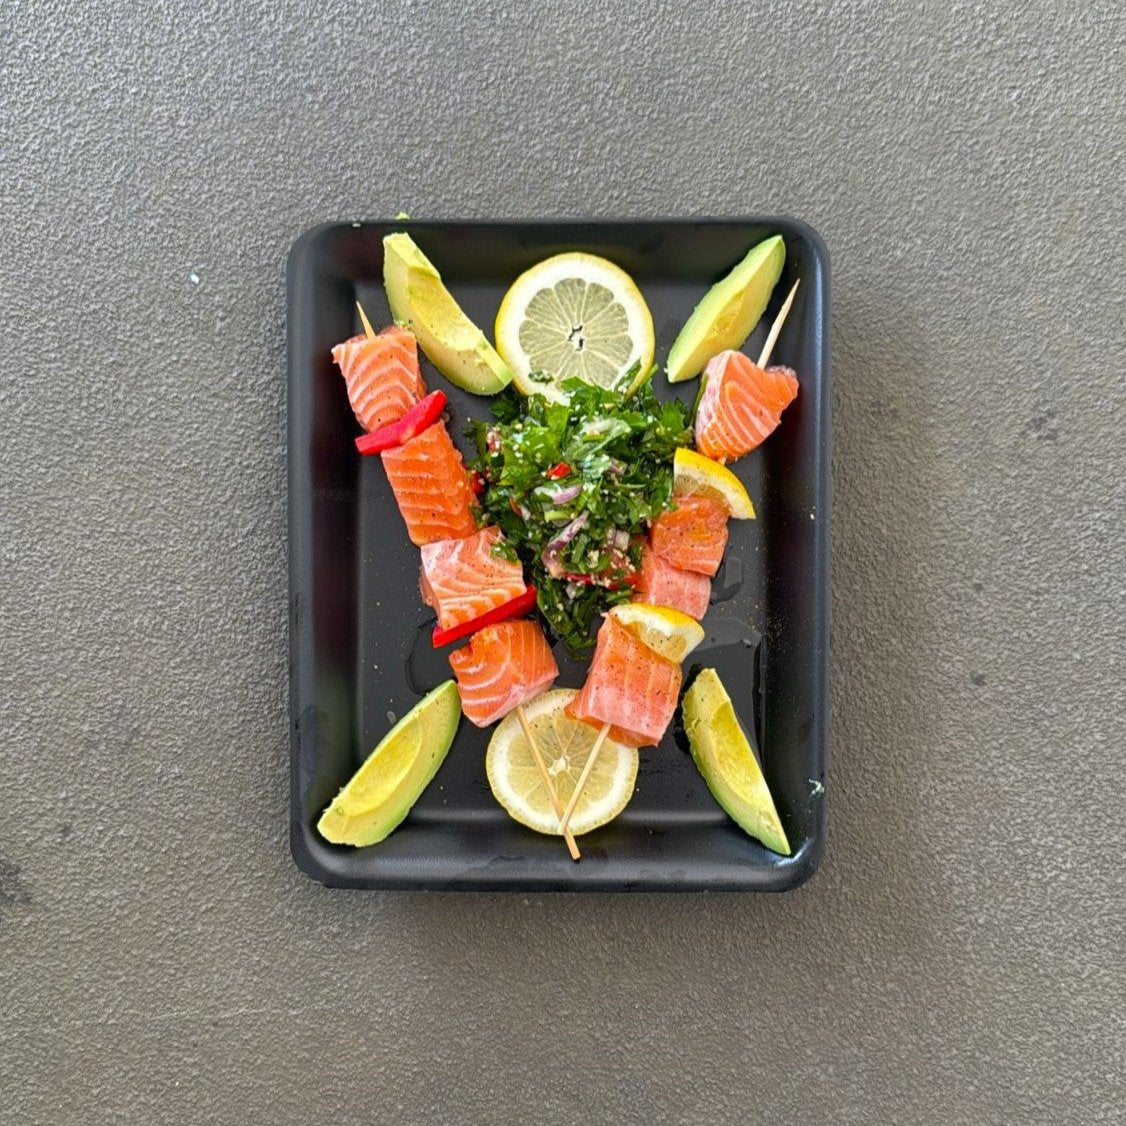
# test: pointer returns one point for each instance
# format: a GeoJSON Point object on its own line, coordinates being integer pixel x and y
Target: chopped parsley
{"type": "Point", "coordinates": [574, 486]}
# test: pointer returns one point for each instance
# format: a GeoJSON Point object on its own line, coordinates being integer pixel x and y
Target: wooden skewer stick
{"type": "Point", "coordinates": [776, 327]}
{"type": "Point", "coordinates": [369, 332]}
{"type": "Point", "coordinates": [549, 785]}
{"type": "Point", "coordinates": [566, 819]}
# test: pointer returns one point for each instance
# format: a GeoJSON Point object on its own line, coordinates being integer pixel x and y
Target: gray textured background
{"type": "Point", "coordinates": [959, 957]}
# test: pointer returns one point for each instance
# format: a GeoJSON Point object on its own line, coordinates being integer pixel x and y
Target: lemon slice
{"type": "Point", "coordinates": [667, 632]}
{"type": "Point", "coordinates": [565, 744]}
{"type": "Point", "coordinates": [694, 474]}
{"type": "Point", "coordinates": [573, 315]}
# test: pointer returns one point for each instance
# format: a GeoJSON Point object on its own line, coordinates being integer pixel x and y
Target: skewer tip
{"type": "Point", "coordinates": [369, 332]}
{"type": "Point", "coordinates": [776, 327]}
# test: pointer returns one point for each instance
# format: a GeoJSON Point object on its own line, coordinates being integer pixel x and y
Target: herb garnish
{"type": "Point", "coordinates": [573, 486]}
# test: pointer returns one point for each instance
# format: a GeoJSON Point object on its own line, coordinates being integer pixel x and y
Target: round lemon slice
{"type": "Point", "coordinates": [574, 315]}
{"type": "Point", "coordinates": [565, 745]}
{"type": "Point", "coordinates": [667, 632]}
{"type": "Point", "coordinates": [694, 473]}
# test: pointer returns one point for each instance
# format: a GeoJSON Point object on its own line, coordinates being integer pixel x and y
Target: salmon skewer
{"type": "Point", "coordinates": [661, 584]}
{"type": "Point", "coordinates": [381, 373]}
{"type": "Point", "coordinates": [630, 689]}
{"type": "Point", "coordinates": [692, 536]}
{"type": "Point", "coordinates": [505, 664]}
{"type": "Point", "coordinates": [742, 402]}
{"type": "Point", "coordinates": [499, 671]}
{"type": "Point", "coordinates": [501, 668]}
{"type": "Point", "coordinates": [463, 579]}
{"type": "Point", "coordinates": [431, 484]}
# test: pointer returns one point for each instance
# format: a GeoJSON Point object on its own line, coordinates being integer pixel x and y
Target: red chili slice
{"type": "Point", "coordinates": [580, 578]}
{"type": "Point", "coordinates": [519, 605]}
{"type": "Point", "coordinates": [557, 471]}
{"type": "Point", "coordinates": [423, 414]}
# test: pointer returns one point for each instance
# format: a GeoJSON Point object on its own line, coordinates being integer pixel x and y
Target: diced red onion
{"type": "Point", "coordinates": [569, 532]}
{"type": "Point", "coordinates": [563, 496]}
{"type": "Point", "coordinates": [550, 555]}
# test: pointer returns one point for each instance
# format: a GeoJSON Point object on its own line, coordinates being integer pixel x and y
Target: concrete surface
{"type": "Point", "coordinates": [960, 956]}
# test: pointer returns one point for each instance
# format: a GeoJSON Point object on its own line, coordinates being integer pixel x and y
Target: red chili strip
{"type": "Point", "coordinates": [557, 471]}
{"type": "Point", "coordinates": [423, 414]}
{"type": "Point", "coordinates": [519, 605]}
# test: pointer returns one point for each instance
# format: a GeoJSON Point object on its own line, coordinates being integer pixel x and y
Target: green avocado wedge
{"type": "Point", "coordinates": [380, 794]}
{"type": "Point", "coordinates": [451, 341]}
{"type": "Point", "coordinates": [724, 757]}
{"type": "Point", "coordinates": [728, 311]}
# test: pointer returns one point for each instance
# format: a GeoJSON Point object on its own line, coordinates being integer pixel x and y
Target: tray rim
{"type": "Point", "coordinates": [787, 875]}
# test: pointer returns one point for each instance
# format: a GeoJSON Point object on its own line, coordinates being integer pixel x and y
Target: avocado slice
{"type": "Point", "coordinates": [453, 343]}
{"type": "Point", "coordinates": [380, 794]}
{"type": "Point", "coordinates": [724, 757]}
{"type": "Point", "coordinates": [728, 311]}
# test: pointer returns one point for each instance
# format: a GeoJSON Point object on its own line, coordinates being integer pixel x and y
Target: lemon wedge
{"type": "Point", "coordinates": [695, 474]}
{"type": "Point", "coordinates": [668, 632]}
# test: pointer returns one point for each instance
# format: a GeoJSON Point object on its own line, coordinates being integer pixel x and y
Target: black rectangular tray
{"type": "Point", "coordinates": [359, 650]}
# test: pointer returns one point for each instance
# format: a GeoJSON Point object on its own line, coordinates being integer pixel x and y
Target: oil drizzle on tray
{"type": "Point", "coordinates": [728, 580]}
{"type": "Point", "coordinates": [426, 666]}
